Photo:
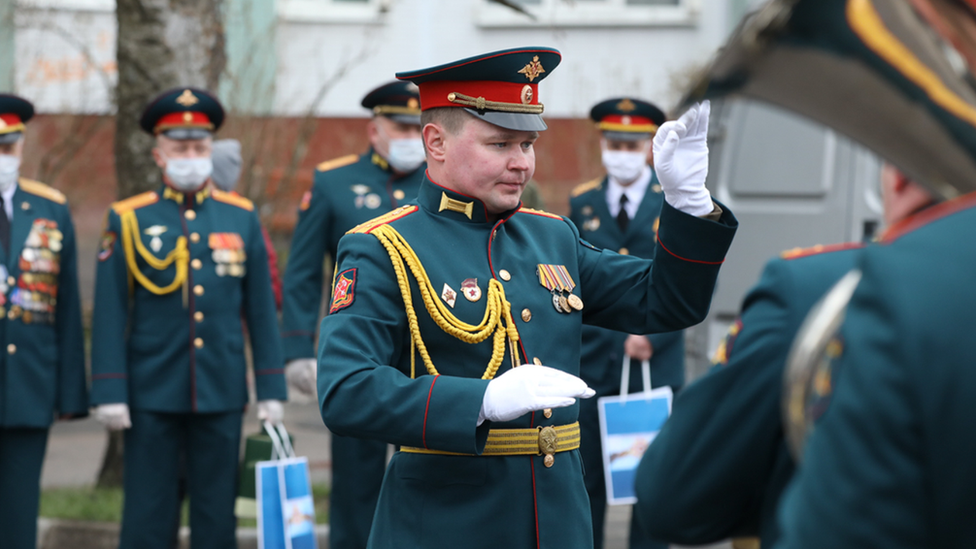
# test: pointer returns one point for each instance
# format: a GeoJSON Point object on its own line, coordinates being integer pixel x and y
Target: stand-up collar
{"type": "Point", "coordinates": [441, 201]}
{"type": "Point", "coordinates": [168, 192]}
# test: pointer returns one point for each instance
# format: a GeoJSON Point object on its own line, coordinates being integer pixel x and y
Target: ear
{"type": "Point", "coordinates": [901, 181]}
{"type": "Point", "coordinates": [435, 138]}
{"type": "Point", "coordinates": [372, 132]}
{"type": "Point", "coordinates": [157, 155]}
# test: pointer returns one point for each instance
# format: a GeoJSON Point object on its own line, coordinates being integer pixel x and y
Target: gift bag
{"type": "Point", "coordinates": [257, 447]}
{"type": "Point", "coordinates": [285, 508]}
{"type": "Point", "coordinates": [628, 425]}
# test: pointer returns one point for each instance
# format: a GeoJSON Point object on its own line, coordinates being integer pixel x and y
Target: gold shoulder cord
{"type": "Point", "coordinates": [497, 321]}
{"type": "Point", "coordinates": [131, 243]}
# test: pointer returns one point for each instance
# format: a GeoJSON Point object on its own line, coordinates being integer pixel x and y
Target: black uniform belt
{"type": "Point", "coordinates": [535, 441]}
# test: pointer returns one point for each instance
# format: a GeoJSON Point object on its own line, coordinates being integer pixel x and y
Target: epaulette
{"type": "Point", "coordinates": [135, 202]}
{"type": "Point", "coordinates": [233, 199]}
{"type": "Point", "coordinates": [337, 162]}
{"type": "Point", "coordinates": [797, 253]}
{"type": "Point", "coordinates": [40, 189]}
{"type": "Point", "coordinates": [539, 212]}
{"type": "Point", "coordinates": [586, 187]}
{"type": "Point", "coordinates": [383, 219]}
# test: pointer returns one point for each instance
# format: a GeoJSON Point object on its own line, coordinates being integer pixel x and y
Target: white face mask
{"type": "Point", "coordinates": [624, 166]}
{"type": "Point", "coordinates": [406, 155]}
{"type": "Point", "coordinates": [9, 170]}
{"type": "Point", "coordinates": [188, 174]}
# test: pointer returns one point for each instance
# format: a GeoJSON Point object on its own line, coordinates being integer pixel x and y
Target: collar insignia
{"type": "Point", "coordinates": [449, 204]}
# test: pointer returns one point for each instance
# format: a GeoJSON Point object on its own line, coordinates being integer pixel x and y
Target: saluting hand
{"type": "Point", "coordinates": [681, 160]}
{"type": "Point", "coordinates": [529, 388]}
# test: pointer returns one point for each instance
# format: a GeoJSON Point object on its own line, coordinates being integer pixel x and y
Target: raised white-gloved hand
{"type": "Point", "coordinates": [271, 411]}
{"type": "Point", "coordinates": [681, 161]}
{"type": "Point", "coordinates": [528, 388]}
{"type": "Point", "coordinates": [300, 374]}
{"type": "Point", "coordinates": [113, 416]}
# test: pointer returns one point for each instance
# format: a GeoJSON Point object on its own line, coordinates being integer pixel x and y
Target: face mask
{"type": "Point", "coordinates": [624, 166]}
{"type": "Point", "coordinates": [406, 155]}
{"type": "Point", "coordinates": [188, 174]}
{"type": "Point", "coordinates": [9, 170]}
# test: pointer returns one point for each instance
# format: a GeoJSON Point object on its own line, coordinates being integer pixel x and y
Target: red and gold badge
{"type": "Point", "coordinates": [343, 291]}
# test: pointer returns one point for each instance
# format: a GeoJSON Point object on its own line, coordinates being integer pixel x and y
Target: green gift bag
{"type": "Point", "coordinates": [259, 447]}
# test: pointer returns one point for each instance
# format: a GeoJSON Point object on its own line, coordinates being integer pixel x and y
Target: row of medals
{"type": "Point", "coordinates": [230, 262]}
{"type": "Point", "coordinates": [35, 297]}
{"type": "Point", "coordinates": [566, 303]}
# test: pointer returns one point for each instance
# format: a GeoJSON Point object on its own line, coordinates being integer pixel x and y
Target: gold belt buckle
{"type": "Point", "coordinates": [548, 439]}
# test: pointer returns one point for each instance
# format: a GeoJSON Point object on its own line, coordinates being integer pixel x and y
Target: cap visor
{"type": "Point", "coordinates": [11, 137]}
{"type": "Point", "coordinates": [512, 121]}
{"type": "Point", "coordinates": [411, 119]}
{"type": "Point", "coordinates": [626, 136]}
{"type": "Point", "coordinates": [187, 134]}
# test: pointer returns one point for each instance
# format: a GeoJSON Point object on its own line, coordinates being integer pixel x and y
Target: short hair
{"type": "Point", "coordinates": [452, 119]}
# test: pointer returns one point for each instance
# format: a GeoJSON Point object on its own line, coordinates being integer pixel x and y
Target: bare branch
{"type": "Point", "coordinates": [512, 5]}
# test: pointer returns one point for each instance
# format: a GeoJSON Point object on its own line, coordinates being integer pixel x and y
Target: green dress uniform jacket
{"type": "Point", "coordinates": [718, 467]}
{"type": "Point", "coordinates": [890, 460]}
{"type": "Point", "coordinates": [369, 387]}
{"type": "Point", "coordinates": [43, 361]}
{"type": "Point", "coordinates": [184, 351]}
{"type": "Point", "coordinates": [602, 350]}
{"type": "Point", "coordinates": [345, 192]}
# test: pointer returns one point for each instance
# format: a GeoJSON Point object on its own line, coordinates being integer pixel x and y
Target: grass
{"type": "Point", "coordinates": [105, 505]}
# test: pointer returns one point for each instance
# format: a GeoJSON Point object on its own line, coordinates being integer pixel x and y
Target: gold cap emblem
{"type": "Point", "coordinates": [526, 94]}
{"type": "Point", "coordinates": [2, 124]}
{"type": "Point", "coordinates": [533, 69]}
{"type": "Point", "coordinates": [625, 120]}
{"type": "Point", "coordinates": [187, 98]}
{"type": "Point", "coordinates": [626, 106]}
{"type": "Point", "coordinates": [412, 103]}
{"type": "Point", "coordinates": [187, 117]}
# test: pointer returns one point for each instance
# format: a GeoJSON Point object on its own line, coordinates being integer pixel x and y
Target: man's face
{"type": "Point", "coordinates": [13, 149]}
{"type": "Point", "coordinates": [168, 149]}
{"type": "Point", "coordinates": [382, 129]}
{"type": "Point", "coordinates": [490, 163]}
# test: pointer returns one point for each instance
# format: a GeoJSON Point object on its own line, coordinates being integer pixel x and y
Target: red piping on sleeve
{"type": "Point", "coordinates": [426, 409]}
{"type": "Point", "coordinates": [686, 259]}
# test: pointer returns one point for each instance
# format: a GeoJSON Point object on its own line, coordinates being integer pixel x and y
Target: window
{"type": "Point", "coordinates": [590, 13]}
{"type": "Point", "coordinates": [333, 11]}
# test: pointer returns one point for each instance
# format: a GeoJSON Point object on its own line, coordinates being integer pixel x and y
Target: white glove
{"type": "Point", "coordinates": [113, 416]}
{"type": "Point", "coordinates": [681, 161]}
{"type": "Point", "coordinates": [271, 411]}
{"type": "Point", "coordinates": [528, 388]}
{"type": "Point", "coordinates": [300, 374]}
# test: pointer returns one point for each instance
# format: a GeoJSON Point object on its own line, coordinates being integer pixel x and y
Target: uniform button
{"type": "Point", "coordinates": [197, 264]}
{"type": "Point", "coordinates": [11, 281]}
{"type": "Point", "coordinates": [11, 349]}
{"type": "Point", "coordinates": [198, 290]}
{"type": "Point", "coordinates": [190, 215]}
{"type": "Point", "coordinates": [399, 194]}
{"type": "Point", "coordinates": [14, 312]}
{"type": "Point", "coordinates": [198, 343]}
{"type": "Point", "coordinates": [198, 316]}
{"type": "Point", "coordinates": [624, 251]}
{"type": "Point", "coordinates": [504, 275]}
{"type": "Point", "coordinates": [194, 237]}
{"type": "Point", "coordinates": [526, 315]}
{"type": "Point", "coordinates": [547, 413]}
{"type": "Point", "coordinates": [536, 361]}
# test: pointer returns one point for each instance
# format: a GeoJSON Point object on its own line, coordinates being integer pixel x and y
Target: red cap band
{"type": "Point", "coordinates": [185, 119]}
{"type": "Point", "coordinates": [10, 122]}
{"type": "Point", "coordinates": [434, 93]}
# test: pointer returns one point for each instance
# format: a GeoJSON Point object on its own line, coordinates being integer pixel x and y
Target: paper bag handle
{"type": "Point", "coordinates": [625, 377]}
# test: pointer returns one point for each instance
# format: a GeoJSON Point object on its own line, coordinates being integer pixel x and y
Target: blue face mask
{"type": "Point", "coordinates": [9, 170]}
{"type": "Point", "coordinates": [188, 174]}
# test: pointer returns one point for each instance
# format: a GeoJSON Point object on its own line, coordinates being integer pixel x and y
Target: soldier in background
{"type": "Point", "coordinates": [621, 212]}
{"type": "Point", "coordinates": [182, 271]}
{"type": "Point", "coordinates": [42, 366]}
{"type": "Point", "coordinates": [348, 191]}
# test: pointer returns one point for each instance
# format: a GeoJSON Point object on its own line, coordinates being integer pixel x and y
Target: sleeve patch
{"type": "Point", "coordinates": [107, 245]}
{"type": "Point", "coordinates": [344, 290]}
{"type": "Point", "coordinates": [724, 350]}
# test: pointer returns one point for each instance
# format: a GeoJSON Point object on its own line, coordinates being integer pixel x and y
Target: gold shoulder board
{"type": "Point", "coordinates": [337, 162]}
{"type": "Point", "coordinates": [135, 202]}
{"type": "Point", "coordinates": [40, 189]}
{"type": "Point", "coordinates": [586, 187]}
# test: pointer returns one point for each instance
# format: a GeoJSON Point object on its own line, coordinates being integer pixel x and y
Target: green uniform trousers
{"type": "Point", "coordinates": [153, 450]}
{"type": "Point", "coordinates": [21, 458]}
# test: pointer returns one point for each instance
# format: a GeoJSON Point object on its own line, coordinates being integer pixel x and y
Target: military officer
{"type": "Point", "coordinates": [621, 211]}
{"type": "Point", "coordinates": [891, 394]}
{"type": "Point", "coordinates": [182, 271]}
{"type": "Point", "coordinates": [42, 371]}
{"type": "Point", "coordinates": [454, 321]}
{"type": "Point", "coordinates": [346, 192]}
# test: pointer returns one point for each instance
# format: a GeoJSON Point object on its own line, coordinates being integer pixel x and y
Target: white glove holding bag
{"type": "Point", "coordinates": [681, 161]}
{"type": "Point", "coordinates": [300, 375]}
{"type": "Point", "coordinates": [113, 416]}
{"type": "Point", "coordinates": [271, 411]}
{"type": "Point", "coordinates": [529, 388]}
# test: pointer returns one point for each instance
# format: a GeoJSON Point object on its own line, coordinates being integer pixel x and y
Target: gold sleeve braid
{"type": "Point", "coordinates": [497, 321]}
{"type": "Point", "coordinates": [131, 243]}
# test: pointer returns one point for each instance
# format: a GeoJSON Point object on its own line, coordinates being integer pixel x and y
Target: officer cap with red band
{"type": "Point", "coordinates": [627, 119]}
{"type": "Point", "coordinates": [183, 113]}
{"type": "Point", "coordinates": [14, 113]}
{"type": "Point", "coordinates": [396, 100]}
{"type": "Point", "coordinates": [501, 88]}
